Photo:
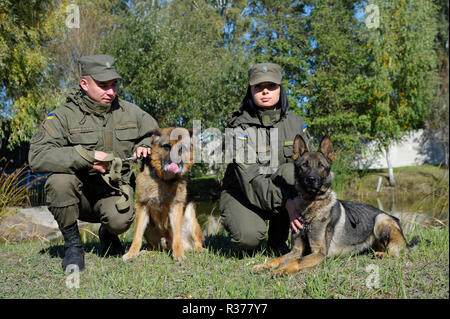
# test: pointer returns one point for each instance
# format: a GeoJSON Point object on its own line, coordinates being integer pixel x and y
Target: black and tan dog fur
{"type": "Point", "coordinates": [163, 215]}
{"type": "Point", "coordinates": [332, 227]}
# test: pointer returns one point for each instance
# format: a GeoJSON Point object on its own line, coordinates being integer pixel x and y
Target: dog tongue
{"type": "Point", "coordinates": [172, 167]}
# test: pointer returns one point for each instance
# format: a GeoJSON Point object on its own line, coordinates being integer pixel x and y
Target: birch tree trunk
{"type": "Point", "coordinates": [390, 168]}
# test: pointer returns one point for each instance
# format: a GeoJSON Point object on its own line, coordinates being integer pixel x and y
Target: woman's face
{"type": "Point", "coordinates": [266, 94]}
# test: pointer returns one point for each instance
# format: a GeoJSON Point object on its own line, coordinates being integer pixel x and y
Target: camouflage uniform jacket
{"type": "Point", "coordinates": [265, 185]}
{"type": "Point", "coordinates": [66, 140]}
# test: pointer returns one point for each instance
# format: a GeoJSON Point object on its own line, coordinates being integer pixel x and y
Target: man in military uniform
{"type": "Point", "coordinates": [81, 144]}
{"type": "Point", "coordinates": [260, 190]}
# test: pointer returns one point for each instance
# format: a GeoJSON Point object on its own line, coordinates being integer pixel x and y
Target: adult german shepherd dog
{"type": "Point", "coordinates": [163, 215]}
{"type": "Point", "coordinates": [331, 226]}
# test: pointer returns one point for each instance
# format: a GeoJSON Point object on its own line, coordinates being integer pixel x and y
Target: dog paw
{"type": "Point", "coordinates": [258, 268]}
{"type": "Point", "coordinates": [127, 257]}
{"type": "Point", "coordinates": [165, 244]}
{"type": "Point", "coordinates": [281, 272]}
{"type": "Point", "coordinates": [179, 260]}
{"type": "Point", "coordinates": [381, 254]}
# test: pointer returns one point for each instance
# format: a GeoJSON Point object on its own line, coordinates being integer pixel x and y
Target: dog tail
{"type": "Point", "coordinates": [415, 241]}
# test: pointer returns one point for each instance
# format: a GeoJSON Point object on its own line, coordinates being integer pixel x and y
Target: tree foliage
{"type": "Point", "coordinates": [23, 61]}
{"type": "Point", "coordinates": [38, 57]}
{"type": "Point", "coordinates": [334, 95]}
{"type": "Point", "coordinates": [402, 65]}
{"type": "Point", "coordinates": [438, 118]}
{"type": "Point", "coordinates": [176, 68]}
{"type": "Point", "coordinates": [78, 29]}
{"type": "Point", "coordinates": [188, 60]}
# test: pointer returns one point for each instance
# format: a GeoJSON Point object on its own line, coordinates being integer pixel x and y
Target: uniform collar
{"type": "Point", "coordinates": [266, 118]}
{"type": "Point", "coordinates": [95, 107]}
{"type": "Point", "coordinates": [269, 117]}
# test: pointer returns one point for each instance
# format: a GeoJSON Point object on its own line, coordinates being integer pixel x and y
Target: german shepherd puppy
{"type": "Point", "coordinates": [163, 215]}
{"type": "Point", "coordinates": [332, 227]}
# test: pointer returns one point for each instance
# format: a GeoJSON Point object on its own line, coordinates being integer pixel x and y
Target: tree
{"type": "Point", "coordinates": [438, 119]}
{"type": "Point", "coordinates": [79, 29]}
{"type": "Point", "coordinates": [402, 64]}
{"type": "Point", "coordinates": [235, 22]}
{"type": "Point", "coordinates": [23, 31]}
{"type": "Point", "coordinates": [324, 59]}
{"type": "Point", "coordinates": [40, 43]}
{"type": "Point", "coordinates": [277, 34]}
{"type": "Point", "coordinates": [176, 67]}
{"type": "Point", "coordinates": [333, 89]}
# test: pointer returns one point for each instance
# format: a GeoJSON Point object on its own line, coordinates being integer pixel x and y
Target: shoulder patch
{"type": "Point", "coordinates": [38, 136]}
{"type": "Point", "coordinates": [242, 136]}
{"type": "Point", "coordinates": [49, 129]}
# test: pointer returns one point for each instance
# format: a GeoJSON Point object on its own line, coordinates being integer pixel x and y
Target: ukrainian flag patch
{"type": "Point", "coordinates": [304, 127]}
{"type": "Point", "coordinates": [50, 116]}
{"type": "Point", "coordinates": [241, 137]}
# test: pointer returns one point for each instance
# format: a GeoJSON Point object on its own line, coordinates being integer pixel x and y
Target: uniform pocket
{"type": "Point", "coordinates": [83, 135]}
{"type": "Point", "coordinates": [287, 148]}
{"type": "Point", "coordinates": [264, 154]}
{"type": "Point", "coordinates": [127, 131]}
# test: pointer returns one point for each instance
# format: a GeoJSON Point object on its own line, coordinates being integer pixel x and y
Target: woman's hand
{"type": "Point", "coordinates": [295, 220]}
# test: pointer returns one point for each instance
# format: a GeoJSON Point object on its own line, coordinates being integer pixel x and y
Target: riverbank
{"type": "Point", "coordinates": [418, 189]}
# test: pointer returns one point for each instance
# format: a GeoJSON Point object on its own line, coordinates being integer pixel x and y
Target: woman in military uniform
{"type": "Point", "coordinates": [259, 182]}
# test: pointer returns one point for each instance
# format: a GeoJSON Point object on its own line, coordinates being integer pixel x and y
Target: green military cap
{"type": "Point", "coordinates": [99, 67]}
{"type": "Point", "coordinates": [264, 72]}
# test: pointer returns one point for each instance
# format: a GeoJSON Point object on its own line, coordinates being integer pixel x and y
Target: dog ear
{"type": "Point", "coordinates": [326, 148]}
{"type": "Point", "coordinates": [156, 136]}
{"type": "Point", "coordinates": [300, 147]}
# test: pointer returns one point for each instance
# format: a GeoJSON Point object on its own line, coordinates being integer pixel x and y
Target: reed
{"type": "Point", "coordinates": [436, 202]}
{"type": "Point", "coordinates": [13, 188]}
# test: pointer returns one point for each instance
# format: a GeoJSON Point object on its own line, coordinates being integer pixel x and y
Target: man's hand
{"type": "Point", "coordinates": [142, 152]}
{"type": "Point", "coordinates": [101, 166]}
{"type": "Point", "coordinates": [296, 221]}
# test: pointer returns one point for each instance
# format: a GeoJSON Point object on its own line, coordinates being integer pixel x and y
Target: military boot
{"type": "Point", "coordinates": [109, 243]}
{"type": "Point", "coordinates": [278, 234]}
{"type": "Point", "coordinates": [73, 247]}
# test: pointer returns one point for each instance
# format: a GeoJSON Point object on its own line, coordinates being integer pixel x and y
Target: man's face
{"type": "Point", "coordinates": [103, 92]}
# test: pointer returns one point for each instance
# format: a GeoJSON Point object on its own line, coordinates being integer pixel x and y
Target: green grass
{"type": "Point", "coordinates": [33, 270]}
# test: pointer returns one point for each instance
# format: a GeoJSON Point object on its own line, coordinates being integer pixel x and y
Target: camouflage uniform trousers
{"type": "Point", "coordinates": [88, 198]}
{"type": "Point", "coordinates": [247, 225]}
